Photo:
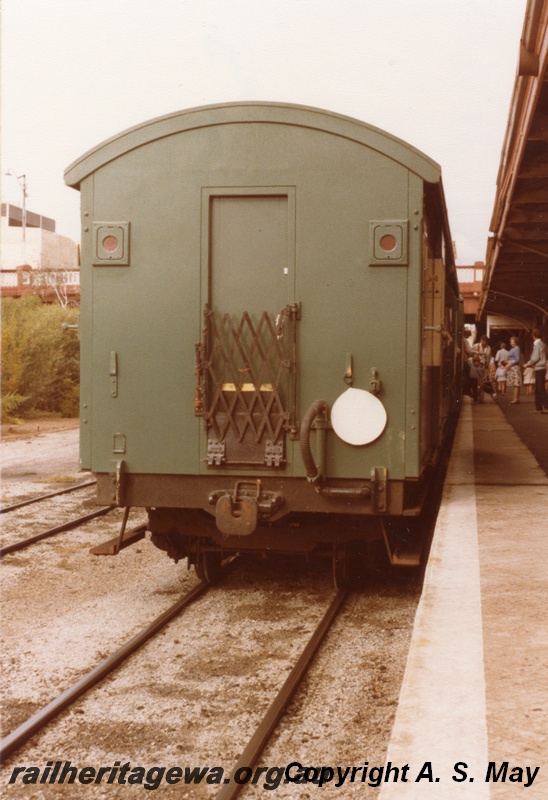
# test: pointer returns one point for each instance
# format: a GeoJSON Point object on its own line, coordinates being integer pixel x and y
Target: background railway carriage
{"type": "Point", "coordinates": [268, 331]}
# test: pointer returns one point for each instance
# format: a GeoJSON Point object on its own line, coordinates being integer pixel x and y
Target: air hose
{"type": "Point", "coordinates": [318, 407]}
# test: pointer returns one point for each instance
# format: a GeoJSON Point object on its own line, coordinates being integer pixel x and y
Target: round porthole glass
{"type": "Point", "coordinates": [110, 243]}
{"type": "Point", "coordinates": [388, 242]}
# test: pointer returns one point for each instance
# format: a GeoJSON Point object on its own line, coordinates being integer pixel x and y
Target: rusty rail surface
{"type": "Point", "coordinates": [67, 526]}
{"type": "Point", "coordinates": [264, 731]}
{"type": "Point", "coordinates": [41, 497]}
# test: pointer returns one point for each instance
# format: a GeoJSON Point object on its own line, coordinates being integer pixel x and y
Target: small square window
{"type": "Point", "coordinates": [388, 242]}
{"type": "Point", "coordinates": [111, 244]}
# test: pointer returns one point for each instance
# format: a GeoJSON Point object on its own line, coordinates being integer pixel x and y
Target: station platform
{"type": "Point", "coordinates": [472, 720]}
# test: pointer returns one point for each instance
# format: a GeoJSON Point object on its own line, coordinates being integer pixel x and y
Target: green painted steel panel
{"type": "Point", "coordinates": [256, 112]}
{"type": "Point", "coordinates": [323, 179]}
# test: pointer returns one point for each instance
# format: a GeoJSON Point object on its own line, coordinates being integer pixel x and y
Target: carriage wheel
{"type": "Point", "coordinates": [349, 566]}
{"type": "Point", "coordinates": [209, 566]}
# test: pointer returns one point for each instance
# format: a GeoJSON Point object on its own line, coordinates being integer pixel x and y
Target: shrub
{"type": "Point", "coordinates": [40, 361]}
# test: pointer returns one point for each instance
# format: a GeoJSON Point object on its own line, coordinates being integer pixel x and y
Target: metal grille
{"type": "Point", "coordinates": [246, 385]}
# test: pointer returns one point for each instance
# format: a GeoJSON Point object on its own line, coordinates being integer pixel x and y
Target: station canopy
{"type": "Point", "coordinates": [516, 275]}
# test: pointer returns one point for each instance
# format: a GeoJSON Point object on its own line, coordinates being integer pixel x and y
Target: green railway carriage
{"type": "Point", "coordinates": [269, 330]}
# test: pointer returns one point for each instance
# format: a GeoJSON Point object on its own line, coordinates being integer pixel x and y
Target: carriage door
{"type": "Point", "coordinates": [246, 359]}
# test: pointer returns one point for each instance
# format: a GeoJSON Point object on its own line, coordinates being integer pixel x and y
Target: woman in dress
{"type": "Point", "coordinates": [514, 369]}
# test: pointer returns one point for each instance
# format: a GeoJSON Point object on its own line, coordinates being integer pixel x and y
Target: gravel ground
{"type": "Point", "coordinates": [194, 694]}
{"type": "Point", "coordinates": [29, 453]}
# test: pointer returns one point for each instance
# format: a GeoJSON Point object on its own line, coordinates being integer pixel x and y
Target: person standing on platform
{"type": "Point", "coordinates": [502, 354]}
{"type": "Point", "coordinates": [476, 378]}
{"type": "Point", "coordinates": [483, 349]}
{"type": "Point", "coordinates": [467, 354]}
{"type": "Point", "coordinates": [538, 362]}
{"type": "Point", "coordinates": [514, 369]}
{"type": "Point", "coordinates": [468, 343]}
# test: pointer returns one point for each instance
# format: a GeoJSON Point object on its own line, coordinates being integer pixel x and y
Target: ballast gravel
{"type": "Point", "coordinates": [194, 694]}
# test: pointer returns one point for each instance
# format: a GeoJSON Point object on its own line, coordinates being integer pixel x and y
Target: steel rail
{"type": "Point", "coordinates": [277, 708]}
{"type": "Point", "coordinates": [13, 507]}
{"type": "Point", "coordinates": [67, 526]}
{"type": "Point", "coordinates": [14, 740]}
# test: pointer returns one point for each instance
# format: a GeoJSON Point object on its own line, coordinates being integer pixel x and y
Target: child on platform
{"type": "Point", "coordinates": [500, 377]}
{"type": "Point", "coordinates": [529, 379]}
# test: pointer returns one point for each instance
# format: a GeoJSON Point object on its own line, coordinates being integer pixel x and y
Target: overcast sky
{"type": "Point", "coordinates": [437, 73]}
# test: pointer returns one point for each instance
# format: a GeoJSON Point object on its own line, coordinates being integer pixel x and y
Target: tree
{"type": "Point", "coordinates": [40, 361]}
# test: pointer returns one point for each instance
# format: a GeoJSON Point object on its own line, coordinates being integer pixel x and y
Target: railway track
{"type": "Point", "coordinates": [264, 730]}
{"type": "Point", "coordinates": [24, 732]}
{"type": "Point", "coordinates": [202, 627]}
{"type": "Point", "coordinates": [66, 526]}
{"type": "Point", "coordinates": [49, 495]}
{"type": "Point", "coordinates": [15, 525]}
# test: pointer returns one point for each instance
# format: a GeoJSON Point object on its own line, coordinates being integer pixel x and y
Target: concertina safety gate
{"type": "Point", "coordinates": [246, 387]}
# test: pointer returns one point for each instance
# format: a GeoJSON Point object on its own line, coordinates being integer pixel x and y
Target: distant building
{"type": "Point", "coordinates": [470, 285]}
{"type": "Point", "coordinates": [35, 259]}
{"type": "Point", "coordinates": [498, 327]}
